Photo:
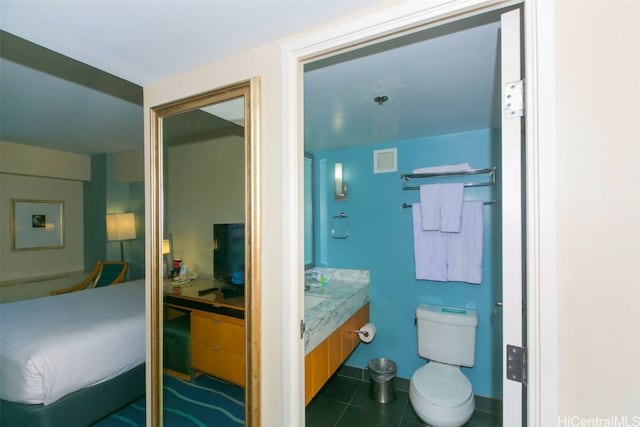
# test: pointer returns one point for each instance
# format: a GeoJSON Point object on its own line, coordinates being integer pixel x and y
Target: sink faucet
{"type": "Point", "coordinates": [308, 277]}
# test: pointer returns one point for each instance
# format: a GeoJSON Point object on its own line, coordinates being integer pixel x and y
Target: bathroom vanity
{"type": "Point", "coordinates": [332, 313]}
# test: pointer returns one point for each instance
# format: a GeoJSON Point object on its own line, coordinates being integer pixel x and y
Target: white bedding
{"type": "Point", "coordinates": [52, 346]}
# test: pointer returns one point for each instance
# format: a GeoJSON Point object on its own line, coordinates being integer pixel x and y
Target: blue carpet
{"type": "Point", "coordinates": [205, 402]}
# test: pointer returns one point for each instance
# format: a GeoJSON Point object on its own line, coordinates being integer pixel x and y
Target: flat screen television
{"type": "Point", "coordinates": [228, 253]}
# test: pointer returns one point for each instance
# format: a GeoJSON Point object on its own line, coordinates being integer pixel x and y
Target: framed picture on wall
{"type": "Point", "coordinates": [37, 224]}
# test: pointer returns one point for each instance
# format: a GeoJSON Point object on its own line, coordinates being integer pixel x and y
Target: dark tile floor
{"type": "Point", "coordinates": [345, 402]}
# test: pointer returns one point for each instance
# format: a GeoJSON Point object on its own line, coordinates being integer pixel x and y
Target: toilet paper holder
{"type": "Point", "coordinates": [366, 333]}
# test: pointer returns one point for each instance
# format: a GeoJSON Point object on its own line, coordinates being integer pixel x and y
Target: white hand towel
{"type": "Point", "coordinates": [460, 167]}
{"type": "Point", "coordinates": [451, 198]}
{"type": "Point", "coordinates": [464, 249]}
{"type": "Point", "coordinates": [430, 206]}
{"type": "Point", "coordinates": [430, 250]}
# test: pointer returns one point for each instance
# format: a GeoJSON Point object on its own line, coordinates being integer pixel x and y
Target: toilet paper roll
{"type": "Point", "coordinates": [367, 332]}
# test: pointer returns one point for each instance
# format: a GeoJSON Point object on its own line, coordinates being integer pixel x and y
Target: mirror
{"type": "Point", "coordinates": [204, 168]}
{"type": "Point", "coordinates": [309, 260]}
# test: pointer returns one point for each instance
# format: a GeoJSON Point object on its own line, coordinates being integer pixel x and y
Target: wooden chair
{"type": "Point", "coordinates": [103, 274]}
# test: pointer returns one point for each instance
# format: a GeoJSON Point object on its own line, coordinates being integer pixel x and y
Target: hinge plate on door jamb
{"type": "Point", "coordinates": [517, 364]}
{"type": "Point", "coordinates": [514, 99]}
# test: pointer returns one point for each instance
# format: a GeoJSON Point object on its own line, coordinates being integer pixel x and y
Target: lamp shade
{"type": "Point", "coordinates": [121, 226]}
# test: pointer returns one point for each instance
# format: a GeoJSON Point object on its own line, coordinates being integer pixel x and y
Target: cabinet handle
{"type": "Point", "coordinates": [215, 321]}
{"type": "Point", "coordinates": [216, 348]}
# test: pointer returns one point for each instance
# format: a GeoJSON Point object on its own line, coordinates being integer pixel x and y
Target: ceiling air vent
{"type": "Point", "coordinates": [385, 160]}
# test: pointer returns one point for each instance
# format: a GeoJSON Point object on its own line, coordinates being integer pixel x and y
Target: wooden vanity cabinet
{"type": "Point", "coordinates": [218, 346]}
{"type": "Point", "coordinates": [323, 361]}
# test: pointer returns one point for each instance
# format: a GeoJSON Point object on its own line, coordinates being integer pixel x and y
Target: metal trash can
{"type": "Point", "coordinates": [382, 372]}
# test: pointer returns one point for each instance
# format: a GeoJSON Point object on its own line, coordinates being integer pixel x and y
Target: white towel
{"type": "Point", "coordinates": [464, 249]}
{"type": "Point", "coordinates": [460, 167]}
{"type": "Point", "coordinates": [430, 207]}
{"type": "Point", "coordinates": [429, 249]}
{"type": "Point", "coordinates": [441, 206]}
{"type": "Point", "coordinates": [451, 198]}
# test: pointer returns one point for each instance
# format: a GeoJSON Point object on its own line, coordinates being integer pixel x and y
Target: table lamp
{"type": "Point", "coordinates": [120, 227]}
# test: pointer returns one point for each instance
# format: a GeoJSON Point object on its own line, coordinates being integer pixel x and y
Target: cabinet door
{"type": "Point", "coordinates": [308, 375]}
{"type": "Point", "coordinates": [319, 368]}
{"type": "Point", "coordinates": [349, 338]}
{"type": "Point", "coordinates": [347, 334]}
{"type": "Point", "coordinates": [334, 352]}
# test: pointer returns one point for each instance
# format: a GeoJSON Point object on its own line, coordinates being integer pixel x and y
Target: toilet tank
{"type": "Point", "coordinates": [447, 334]}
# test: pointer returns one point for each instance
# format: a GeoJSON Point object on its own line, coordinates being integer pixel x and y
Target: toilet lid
{"type": "Point", "coordinates": [442, 385]}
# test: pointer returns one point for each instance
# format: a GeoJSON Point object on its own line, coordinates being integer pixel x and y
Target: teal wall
{"type": "Point", "coordinates": [135, 253]}
{"type": "Point", "coordinates": [95, 208]}
{"type": "Point", "coordinates": [127, 196]}
{"type": "Point", "coordinates": [102, 195]}
{"type": "Point", "coordinates": [381, 241]}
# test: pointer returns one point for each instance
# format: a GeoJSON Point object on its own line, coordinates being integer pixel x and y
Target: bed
{"type": "Point", "coordinates": [72, 359]}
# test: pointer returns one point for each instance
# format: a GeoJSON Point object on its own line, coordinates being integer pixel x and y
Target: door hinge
{"type": "Point", "coordinates": [514, 99]}
{"type": "Point", "coordinates": [517, 364]}
{"type": "Point", "coordinates": [302, 329]}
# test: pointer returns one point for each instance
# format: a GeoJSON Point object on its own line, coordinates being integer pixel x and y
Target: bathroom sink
{"type": "Point", "coordinates": [313, 300]}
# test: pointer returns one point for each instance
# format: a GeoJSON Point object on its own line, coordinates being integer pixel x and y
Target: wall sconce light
{"type": "Point", "coordinates": [121, 226]}
{"type": "Point", "coordinates": [340, 190]}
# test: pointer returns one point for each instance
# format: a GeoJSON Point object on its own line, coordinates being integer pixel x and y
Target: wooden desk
{"type": "Point", "coordinates": [187, 296]}
{"type": "Point", "coordinates": [217, 329]}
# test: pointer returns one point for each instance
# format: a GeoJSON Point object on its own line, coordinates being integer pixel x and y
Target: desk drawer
{"type": "Point", "coordinates": [218, 362]}
{"type": "Point", "coordinates": [218, 331]}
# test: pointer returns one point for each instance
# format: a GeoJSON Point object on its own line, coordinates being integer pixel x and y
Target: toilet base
{"type": "Point", "coordinates": [438, 416]}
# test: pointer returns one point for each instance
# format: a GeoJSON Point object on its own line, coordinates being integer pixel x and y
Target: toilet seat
{"type": "Point", "coordinates": [442, 385]}
{"type": "Point", "coordinates": [441, 395]}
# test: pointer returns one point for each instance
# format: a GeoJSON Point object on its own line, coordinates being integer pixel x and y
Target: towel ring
{"type": "Point", "coordinates": [336, 218]}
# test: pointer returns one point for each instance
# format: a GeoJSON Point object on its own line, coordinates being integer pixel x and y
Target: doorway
{"type": "Point", "coordinates": [489, 307]}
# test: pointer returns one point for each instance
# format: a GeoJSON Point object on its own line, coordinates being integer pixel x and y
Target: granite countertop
{"type": "Point", "coordinates": [328, 306]}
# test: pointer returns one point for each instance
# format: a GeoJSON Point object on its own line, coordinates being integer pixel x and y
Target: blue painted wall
{"type": "Point", "coordinates": [381, 241]}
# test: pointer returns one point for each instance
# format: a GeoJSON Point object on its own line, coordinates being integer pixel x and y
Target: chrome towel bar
{"type": "Point", "coordinates": [413, 176]}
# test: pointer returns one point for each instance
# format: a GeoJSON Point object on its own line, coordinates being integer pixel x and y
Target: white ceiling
{"type": "Point", "coordinates": [440, 81]}
{"type": "Point", "coordinates": [437, 83]}
{"type": "Point", "coordinates": [144, 41]}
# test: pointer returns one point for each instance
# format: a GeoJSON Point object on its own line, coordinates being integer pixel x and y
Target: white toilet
{"type": "Point", "coordinates": [440, 393]}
